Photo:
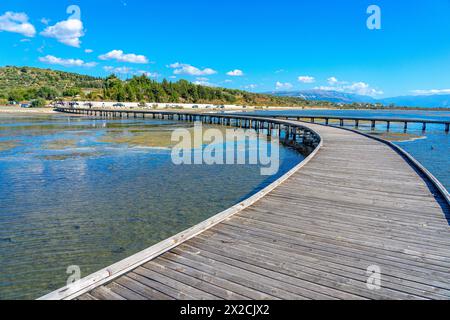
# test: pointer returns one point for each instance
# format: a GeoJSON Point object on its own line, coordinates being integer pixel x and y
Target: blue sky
{"type": "Point", "coordinates": [253, 45]}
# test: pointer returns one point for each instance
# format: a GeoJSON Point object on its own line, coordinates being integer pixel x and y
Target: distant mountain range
{"type": "Point", "coordinates": [426, 101]}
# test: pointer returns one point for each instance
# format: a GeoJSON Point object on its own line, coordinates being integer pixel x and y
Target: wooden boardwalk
{"type": "Point", "coordinates": [357, 203]}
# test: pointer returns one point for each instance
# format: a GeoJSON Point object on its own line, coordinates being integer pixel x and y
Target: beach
{"type": "Point", "coordinates": [10, 109]}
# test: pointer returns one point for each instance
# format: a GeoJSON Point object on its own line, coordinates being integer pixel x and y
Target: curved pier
{"type": "Point", "coordinates": [355, 212]}
{"type": "Point", "coordinates": [357, 121]}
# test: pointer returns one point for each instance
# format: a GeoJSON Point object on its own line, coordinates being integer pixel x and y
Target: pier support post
{"type": "Point", "coordinates": [447, 127]}
{"type": "Point", "coordinates": [288, 133]}
{"type": "Point", "coordinates": [373, 125]}
{"type": "Point", "coordinates": [424, 127]}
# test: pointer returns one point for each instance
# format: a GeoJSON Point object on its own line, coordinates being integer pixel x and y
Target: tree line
{"type": "Point", "coordinates": [143, 89]}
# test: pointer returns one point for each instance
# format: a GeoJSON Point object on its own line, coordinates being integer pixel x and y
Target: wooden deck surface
{"type": "Point", "coordinates": [358, 203]}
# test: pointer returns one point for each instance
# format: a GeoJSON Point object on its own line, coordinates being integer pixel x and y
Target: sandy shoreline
{"type": "Point", "coordinates": [12, 110]}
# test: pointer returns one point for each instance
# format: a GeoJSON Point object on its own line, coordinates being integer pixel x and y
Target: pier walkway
{"type": "Point", "coordinates": [357, 206]}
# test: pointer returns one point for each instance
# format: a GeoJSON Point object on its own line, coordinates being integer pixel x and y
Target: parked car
{"type": "Point", "coordinates": [25, 105]}
{"type": "Point", "coordinates": [194, 107]}
{"type": "Point", "coordinates": [119, 105]}
{"type": "Point", "coordinates": [88, 104]}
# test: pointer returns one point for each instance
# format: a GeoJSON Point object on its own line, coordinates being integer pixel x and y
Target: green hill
{"type": "Point", "coordinates": [26, 83]}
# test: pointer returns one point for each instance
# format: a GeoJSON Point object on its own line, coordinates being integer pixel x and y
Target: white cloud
{"type": "Point", "coordinates": [431, 92]}
{"type": "Point", "coordinates": [119, 70]}
{"type": "Point", "coordinates": [88, 50]}
{"type": "Point", "coordinates": [182, 68]}
{"type": "Point", "coordinates": [360, 88]}
{"type": "Point", "coordinates": [332, 81]}
{"type": "Point", "coordinates": [327, 88]}
{"type": "Point", "coordinates": [306, 79]}
{"type": "Point", "coordinates": [235, 73]}
{"type": "Point", "coordinates": [45, 21]}
{"type": "Point", "coordinates": [251, 86]}
{"type": "Point", "coordinates": [205, 83]}
{"type": "Point", "coordinates": [17, 23]}
{"type": "Point", "coordinates": [130, 71]}
{"type": "Point", "coordinates": [283, 86]}
{"type": "Point", "coordinates": [228, 81]}
{"type": "Point", "coordinates": [120, 56]}
{"type": "Point", "coordinates": [148, 73]}
{"type": "Point", "coordinates": [66, 62]}
{"type": "Point", "coordinates": [68, 32]}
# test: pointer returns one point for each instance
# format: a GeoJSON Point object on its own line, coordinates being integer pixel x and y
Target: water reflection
{"type": "Point", "coordinates": [69, 196]}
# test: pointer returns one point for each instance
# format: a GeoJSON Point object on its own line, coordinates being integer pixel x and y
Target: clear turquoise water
{"type": "Point", "coordinates": [94, 203]}
{"type": "Point", "coordinates": [433, 151]}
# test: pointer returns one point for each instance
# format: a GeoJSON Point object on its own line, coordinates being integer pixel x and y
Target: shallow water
{"type": "Point", "coordinates": [72, 194]}
{"type": "Point", "coordinates": [431, 148]}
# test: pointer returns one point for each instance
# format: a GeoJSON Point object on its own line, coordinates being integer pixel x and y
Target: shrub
{"type": "Point", "coordinates": [38, 103]}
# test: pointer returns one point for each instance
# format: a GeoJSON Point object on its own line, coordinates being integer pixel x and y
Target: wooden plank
{"type": "Point", "coordinates": [178, 286]}
{"type": "Point", "coordinates": [368, 257]}
{"type": "Point", "coordinates": [86, 297]}
{"type": "Point", "coordinates": [217, 281]}
{"type": "Point", "coordinates": [194, 282]}
{"type": "Point", "coordinates": [103, 293]}
{"type": "Point", "coordinates": [141, 289]}
{"type": "Point", "coordinates": [221, 271]}
{"type": "Point", "coordinates": [321, 271]}
{"type": "Point", "coordinates": [124, 291]}
{"type": "Point", "coordinates": [148, 282]}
